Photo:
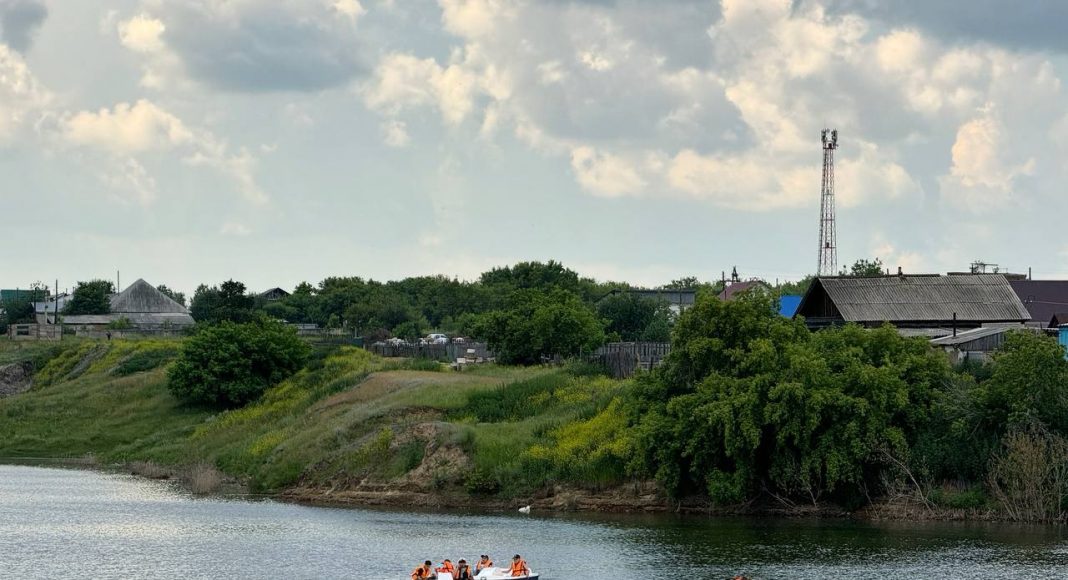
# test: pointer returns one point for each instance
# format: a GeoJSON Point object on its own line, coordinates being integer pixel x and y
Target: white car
{"type": "Point", "coordinates": [437, 339]}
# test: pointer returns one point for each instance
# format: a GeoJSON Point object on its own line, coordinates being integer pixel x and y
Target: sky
{"type": "Point", "coordinates": [276, 141]}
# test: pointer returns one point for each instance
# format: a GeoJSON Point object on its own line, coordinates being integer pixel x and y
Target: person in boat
{"type": "Point", "coordinates": [483, 563]}
{"type": "Point", "coordinates": [447, 566]}
{"type": "Point", "coordinates": [519, 567]}
{"type": "Point", "coordinates": [424, 572]}
{"type": "Point", "coordinates": [463, 571]}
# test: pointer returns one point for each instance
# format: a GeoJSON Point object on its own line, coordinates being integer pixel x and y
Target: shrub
{"type": "Point", "coordinates": [230, 364]}
{"type": "Point", "coordinates": [145, 360]}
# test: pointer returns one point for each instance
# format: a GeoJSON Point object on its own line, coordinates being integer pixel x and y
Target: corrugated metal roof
{"type": "Point", "coordinates": [975, 334]}
{"type": "Point", "coordinates": [142, 297]}
{"type": "Point", "coordinates": [979, 297]}
{"type": "Point", "coordinates": [736, 289]}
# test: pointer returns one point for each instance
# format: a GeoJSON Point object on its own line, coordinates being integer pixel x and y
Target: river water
{"type": "Point", "coordinates": [59, 523]}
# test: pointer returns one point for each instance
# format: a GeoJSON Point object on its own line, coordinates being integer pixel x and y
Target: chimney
{"type": "Point", "coordinates": [899, 272]}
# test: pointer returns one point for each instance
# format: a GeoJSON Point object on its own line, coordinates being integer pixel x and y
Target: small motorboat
{"type": "Point", "coordinates": [503, 574]}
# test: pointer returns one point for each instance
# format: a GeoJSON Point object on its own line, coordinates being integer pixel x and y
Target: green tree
{"type": "Point", "coordinates": [748, 401]}
{"type": "Point", "coordinates": [1029, 386]}
{"type": "Point", "coordinates": [227, 301]}
{"type": "Point", "coordinates": [92, 297]}
{"type": "Point", "coordinates": [178, 297]}
{"type": "Point", "coordinates": [535, 324]}
{"type": "Point", "coordinates": [632, 317]}
{"type": "Point", "coordinates": [862, 268]}
{"type": "Point", "coordinates": [230, 364]}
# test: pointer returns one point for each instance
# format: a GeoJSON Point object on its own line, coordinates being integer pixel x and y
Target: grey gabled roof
{"type": "Point", "coordinates": [978, 297]}
{"type": "Point", "coordinates": [143, 298]}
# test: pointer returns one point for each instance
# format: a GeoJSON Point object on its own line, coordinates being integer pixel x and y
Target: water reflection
{"type": "Point", "coordinates": [57, 523]}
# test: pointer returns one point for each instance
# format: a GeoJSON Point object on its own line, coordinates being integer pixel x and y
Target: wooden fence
{"type": "Point", "coordinates": [623, 359]}
{"type": "Point", "coordinates": [442, 352]}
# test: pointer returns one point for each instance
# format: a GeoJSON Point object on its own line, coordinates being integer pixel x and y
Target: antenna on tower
{"type": "Point", "coordinates": [828, 265]}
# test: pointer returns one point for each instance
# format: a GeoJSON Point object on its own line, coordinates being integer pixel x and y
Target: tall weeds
{"type": "Point", "coordinates": [1029, 476]}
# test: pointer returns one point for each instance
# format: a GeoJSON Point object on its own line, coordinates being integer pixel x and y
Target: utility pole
{"type": "Point", "coordinates": [828, 258]}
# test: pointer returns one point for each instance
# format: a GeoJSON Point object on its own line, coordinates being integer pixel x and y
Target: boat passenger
{"type": "Point", "coordinates": [463, 571]}
{"type": "Point", "coordinates": [424, 572]}
{"type": "Point", "coordinates": [483, 563]}
{"type": "Point", "coordinates": [447, 566]}
{"type": "Point", "coordinates": [519, 567]}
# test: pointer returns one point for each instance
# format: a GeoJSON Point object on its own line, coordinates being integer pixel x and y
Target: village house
{"type": "Point", "coordinates": [139, 308]}
{"type": "Point", "coordinates": [920, 303]}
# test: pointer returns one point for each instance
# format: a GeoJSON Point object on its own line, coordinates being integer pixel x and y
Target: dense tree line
{"type": "Point", "coordinates": [526, 311]}
{"type": "Point", "coordinates": [752, 406]}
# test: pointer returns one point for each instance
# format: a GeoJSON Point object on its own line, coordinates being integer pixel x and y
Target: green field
{"type": "Point", "coordinates": [347, 419]}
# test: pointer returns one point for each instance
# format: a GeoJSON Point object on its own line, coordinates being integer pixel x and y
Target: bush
{"type": "Point", "coordinates": [535, 325]}
{"type": "Point", "coordinates": [230, 364]}
{"type": "Point", "coordinates": [145, 360]}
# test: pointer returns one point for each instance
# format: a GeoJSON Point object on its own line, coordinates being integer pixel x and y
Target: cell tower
{"type": "Point", "coordinates": [828, 246]}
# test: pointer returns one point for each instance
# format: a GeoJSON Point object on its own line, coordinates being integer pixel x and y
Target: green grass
{"type": "Point", "coordinates": [345, 417]}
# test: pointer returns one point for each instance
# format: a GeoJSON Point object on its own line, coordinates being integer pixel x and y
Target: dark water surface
{"type": "Point", "coordinates": [58, 523]}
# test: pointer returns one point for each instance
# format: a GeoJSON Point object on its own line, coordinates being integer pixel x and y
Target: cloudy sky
{"type": "Point", "coordinates": [274, 141]}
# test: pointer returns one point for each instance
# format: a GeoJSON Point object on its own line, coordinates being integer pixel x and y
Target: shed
{"type": "Point", "coordinates": [917, 301]}
{"type": "Point", "coordinates": [977, 343]}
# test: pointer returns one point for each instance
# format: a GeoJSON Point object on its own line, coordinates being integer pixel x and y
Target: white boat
{"type": "Point", "coordinates": [503, 574]}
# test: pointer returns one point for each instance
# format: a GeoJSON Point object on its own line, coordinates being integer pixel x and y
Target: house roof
{"type": "Point", "coordinates": [1042, 298]}
{"type": "Point", "coordinates": [788, 305]}
{"type": "Point", "coordinates": [275, 291]}
{"type": "Point", "coordinates": [971, 334]}
{"type": "Point", "coordinates": [972, 298]}
{"type": "Point", "coordinates": [737, 288]}
{"type": "Point", "coordinates": [143, 298]}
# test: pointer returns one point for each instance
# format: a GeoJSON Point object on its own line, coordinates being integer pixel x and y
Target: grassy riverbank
{"type": "Point", "coordinates": [348, 421]}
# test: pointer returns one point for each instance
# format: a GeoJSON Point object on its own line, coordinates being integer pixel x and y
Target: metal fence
{"type": "Point", "coordinates": [623, 359]}
{"type": "Point", "coordinates": [442, 352]}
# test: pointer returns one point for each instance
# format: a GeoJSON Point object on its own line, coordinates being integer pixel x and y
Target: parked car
{"type": "Point", "coordinates": [437, 338]}
{"type": "Point", "coordinates": [395, 341]}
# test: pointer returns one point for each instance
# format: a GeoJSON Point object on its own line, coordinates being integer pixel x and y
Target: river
{"type": "Point", "coordinates": [62, 523]}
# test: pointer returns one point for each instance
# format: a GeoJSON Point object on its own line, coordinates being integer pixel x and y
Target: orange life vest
{"type": "Point", "coordinates": [447, 567]}
{"type": "Point", "coordinates": [420, 573]}
{"type": "Point", "coordinates": [519, 567]}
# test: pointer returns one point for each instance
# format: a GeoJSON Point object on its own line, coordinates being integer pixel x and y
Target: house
{"type": "Point", "coordinates": [733, 290]}
{"type": "Point", "coordinates": [977, 344]}
{"type": "Point", "coordinates": [145, 308]}
{"type": "Point", "coordinates": [274, 294]}
{"type": "Point", "coordinates": [912, 301]}
{"type": "Point", "coordinates": [1043, 299]}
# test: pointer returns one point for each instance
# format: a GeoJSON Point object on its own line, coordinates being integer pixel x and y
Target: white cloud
{"type": "Point", "coordinates": [127, 128]}
{"type": "Point", "coordinates": [351, 9]}
{"type": "Point", "coordinates": [395, 133]}
{"type": "Point", "coordinates": [142, 33]}
{"type": "Point", "coordinates": [982, 177]}
{"type": "Point", "coordinates": [604, 174]}
{"type": "Point", "coordinates": [126, 131]}
{"type": "Point", "coordinates": [401, 81]}
{"type": "Point", "coordinates": [22, 98]}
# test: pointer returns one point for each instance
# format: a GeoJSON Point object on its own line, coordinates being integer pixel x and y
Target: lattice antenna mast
{"type": "Point", "coordinates": [828, 244]}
